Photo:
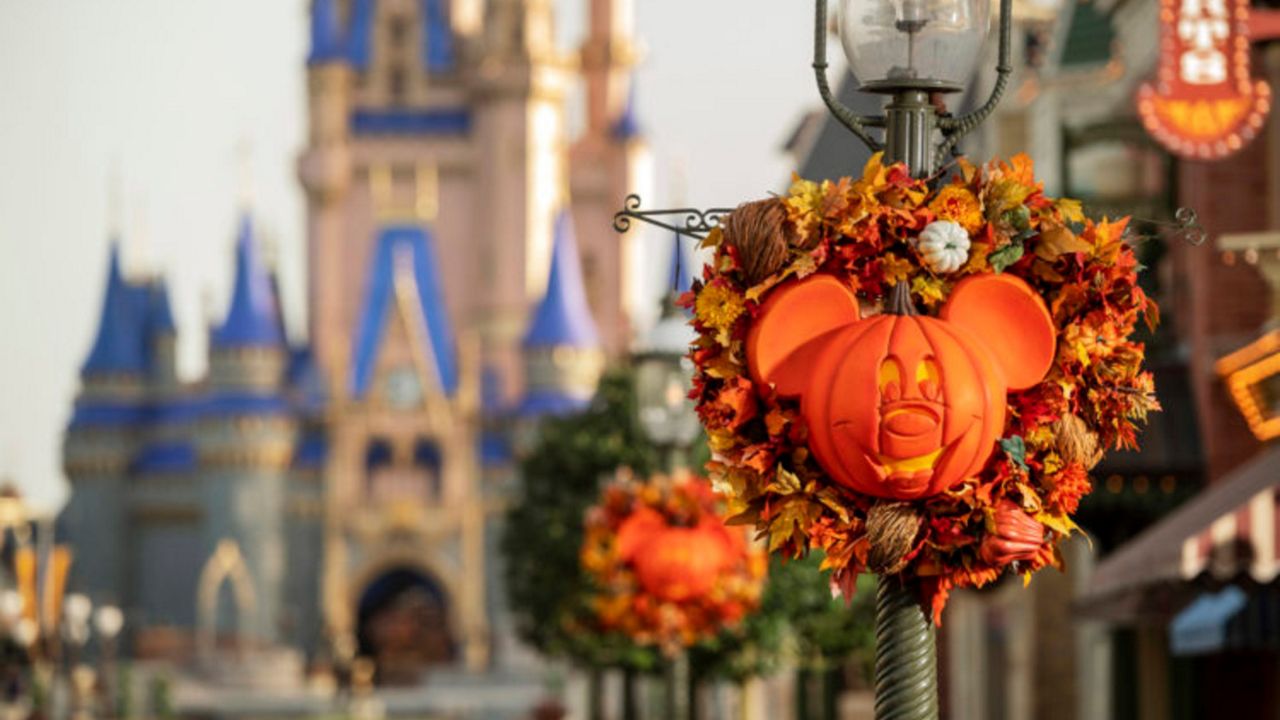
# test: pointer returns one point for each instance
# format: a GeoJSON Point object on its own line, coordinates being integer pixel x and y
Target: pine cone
{"type": "Point", "coordinates": [758, 230]}
{"type": "Point", "coordinates": [1075, 442]}
{"type": "Point", "coordinates": [892, 528]}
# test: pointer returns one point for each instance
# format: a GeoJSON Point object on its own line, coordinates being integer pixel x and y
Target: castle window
{"type": "Point", "coordinates": [426, 456]}
{"type": "Point", "coordinates": [398, 30]}
{"type": "Point", "coordinates": [377, 455]}
{"type": "Point", "coordinates": [397, 84]}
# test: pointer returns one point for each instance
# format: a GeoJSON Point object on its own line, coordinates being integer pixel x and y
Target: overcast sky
{"type": "Point", "coordinates": [165, 92]}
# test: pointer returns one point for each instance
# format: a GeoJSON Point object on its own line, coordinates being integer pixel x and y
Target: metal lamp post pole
{"type": "Point", "coordinates": [906, 683]}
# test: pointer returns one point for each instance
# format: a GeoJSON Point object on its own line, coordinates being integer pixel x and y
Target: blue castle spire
{"type": "Point", "coordinates": [121, 343]}
{"type": "Point", "coordinates": [327, 40]}
{"type": "Point", "coordinates": [254, 317]}
{"type": "Point", "coordinates": [679, 275]}
{"type": "Point", "coordinates": [627, 126]}
{"type": "Point", "coordinates": [563, 318]}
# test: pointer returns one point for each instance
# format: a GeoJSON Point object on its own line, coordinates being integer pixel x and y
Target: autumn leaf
{"type": "Point", "coordinates": [1072, 210]}
{"type": "Point", "coordinates": [713, 239]}
{"type": "Point", "coordinates": [791, 521]}
{"type": "Point", "coordinates": [1005, 256]}
{"type": "Point", "coordinates": [785, 482]}
{"type": "Point", "coordinates": [1058, 241]}
{"type": "Point", "coordinates": [1016, 450]}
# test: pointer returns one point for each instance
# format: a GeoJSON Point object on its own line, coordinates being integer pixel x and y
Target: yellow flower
{"type": "Point", "coordinates": [957, 204]}
{"type": "Point", "coordinates": [929, 290]}
{"type": "Point", "coordinates": [895, 269]}
{"type": "Point", "coordinates": [719, 307]}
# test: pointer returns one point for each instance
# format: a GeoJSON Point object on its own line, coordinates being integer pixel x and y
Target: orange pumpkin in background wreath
{"type": "Point", "coordinates": [676, 564]}
{"type": "Point", "coordinates": [899, 405]}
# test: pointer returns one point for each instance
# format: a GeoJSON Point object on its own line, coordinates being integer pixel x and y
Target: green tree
{"type": "Point", "coordinates": [563, 474]}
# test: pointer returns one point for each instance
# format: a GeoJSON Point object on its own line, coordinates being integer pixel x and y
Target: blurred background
{"type": "Point", "coordinates": [304, 301]}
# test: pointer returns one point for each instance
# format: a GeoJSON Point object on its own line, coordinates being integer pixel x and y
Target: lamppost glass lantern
{"type": "Point", "coordinates": [663, 378]}
{"type": "Point", "coordinates": [927, 44]}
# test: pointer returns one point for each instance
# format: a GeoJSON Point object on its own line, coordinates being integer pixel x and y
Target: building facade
{"type": "Point", "coordinates": [339, 494]}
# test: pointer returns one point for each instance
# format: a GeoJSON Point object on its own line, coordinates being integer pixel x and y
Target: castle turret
{"type": "Point", "coordinates": [609, 161]}
{"type": "Point", "coordinates": [119, 357]}
{"type": "Point", "coordinates": [103, 436]}
{"type": "Point", "coordinates": [162, 337]}
{"type": "Point", "coordinates": [562, 347]}
{"type": "Point", "coordinates": [248, 350]}
{"type": "Point", "coordinates": [245, 441]}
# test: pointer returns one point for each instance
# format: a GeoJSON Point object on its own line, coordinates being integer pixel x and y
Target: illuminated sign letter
{"type": "Point", "coordinates": [1204, 104]}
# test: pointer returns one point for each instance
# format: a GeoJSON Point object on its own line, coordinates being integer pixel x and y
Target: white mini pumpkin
{"type": "Point", "coordinates": [944, 246]}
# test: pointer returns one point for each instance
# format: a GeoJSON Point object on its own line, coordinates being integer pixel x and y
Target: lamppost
{"type": "Point", "coordinates": [915, 52]}
{"type": "Point", "coordinates": [108, 621]}
{"type": "Point", "coordinates": [663, 378]}
{"type": "Point", "coordinates": [77, 612]}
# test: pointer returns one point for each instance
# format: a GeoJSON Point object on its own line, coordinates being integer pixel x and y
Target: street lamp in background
{"type": "Point", "coordinates": [664, 377]}
{"type": "Point", "coordinates": [108, 621]}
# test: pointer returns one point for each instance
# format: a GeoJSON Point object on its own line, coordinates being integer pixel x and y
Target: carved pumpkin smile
{"type": "Point", "coordinates": [900, 405]}
{"type": "Point", "coordinates": [910, 419]}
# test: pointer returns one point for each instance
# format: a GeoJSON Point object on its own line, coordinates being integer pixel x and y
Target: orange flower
{"type": "Point", "coordinates": [1067, 487]}
{"type": "Point", "coordinates": [956, 203]}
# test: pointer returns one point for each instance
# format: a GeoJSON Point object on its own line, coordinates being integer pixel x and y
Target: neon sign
{"type": "Point", "coordinates": [1204, 104]}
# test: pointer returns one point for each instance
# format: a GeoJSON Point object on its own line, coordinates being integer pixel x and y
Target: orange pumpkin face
{"type": "Point", "coordinates": [676, 564]}
{"type": "Point", "coordinates": [898, 405]}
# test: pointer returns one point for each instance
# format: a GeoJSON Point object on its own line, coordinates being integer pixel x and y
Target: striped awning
{"type": "Point", "coordinates": [1228, 530]}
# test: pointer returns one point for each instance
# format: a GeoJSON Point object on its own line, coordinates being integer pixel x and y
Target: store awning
{"type": "Point", "coordinates": [1227, 530]}
{"type": "Point", "coordinates": [1202, 627]}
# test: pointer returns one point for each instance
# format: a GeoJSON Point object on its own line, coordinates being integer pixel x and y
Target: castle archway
{"type": "Point", "coordinates": [402, 624]}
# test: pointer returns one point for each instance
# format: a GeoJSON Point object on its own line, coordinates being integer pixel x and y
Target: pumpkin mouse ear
{"type": "Point", "coordinates": [1011, 319]}
{"type": "Point", "coordinates": [791, 316]}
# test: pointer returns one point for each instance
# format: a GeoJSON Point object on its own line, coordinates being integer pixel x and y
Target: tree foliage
{"type": "Point", "coordinates": [563, 473]}
{"type": "Point", "coordinates": [562, 477]}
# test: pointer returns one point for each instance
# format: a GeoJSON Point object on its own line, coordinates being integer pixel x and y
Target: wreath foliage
{"type": "Point", "coordinates": [868, 232]}
{"type": "Point", "coordinates": [723, 572]}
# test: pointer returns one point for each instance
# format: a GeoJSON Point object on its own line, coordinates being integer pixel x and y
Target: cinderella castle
{"type": "Point", "coordinates": [341, 496]}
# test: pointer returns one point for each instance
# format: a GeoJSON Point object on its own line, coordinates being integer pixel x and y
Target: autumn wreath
{"type": "Point", "coordinates": [856, 277]}
{"type": "Point", "coordinates": [667, 571]}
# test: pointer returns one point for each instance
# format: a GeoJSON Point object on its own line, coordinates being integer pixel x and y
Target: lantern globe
{"type": "Point", "coordinates": [904, 44]}
{"type": "Point", "coordinates": [663, 379]}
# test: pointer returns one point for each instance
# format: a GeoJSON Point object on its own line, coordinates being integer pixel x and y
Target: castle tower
{"type": "Point", "coordinates": [405, 519]}
{"type": "Point", "coordinates": [103, 436]}
{"type": "Point", "coordinates": [521, 83]}
{"type": "Point", "coordinates": [325, 171]}
{"type": "Point", "coordinates": [245, 441]}
{"type": "Point", "coordinates": [610, 161]}
{"type": "Point", "coordinates": [563, 352]}
{"type": "Point", "coordinates": [405, 85]}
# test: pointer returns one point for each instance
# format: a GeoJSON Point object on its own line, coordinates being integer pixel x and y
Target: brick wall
{"type": "Point", "coordinates": [1219, 306]}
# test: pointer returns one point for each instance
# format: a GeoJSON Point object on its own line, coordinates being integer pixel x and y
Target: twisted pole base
{"type": "Point", "coordinates": [906, 655]}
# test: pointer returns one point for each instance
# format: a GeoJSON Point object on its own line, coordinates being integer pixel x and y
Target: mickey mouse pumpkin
{"type": "Point", "coordinates": [898, 405]}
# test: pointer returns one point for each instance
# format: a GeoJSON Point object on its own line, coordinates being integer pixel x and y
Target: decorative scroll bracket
{"type": "Point", "coordinates": [697, 223]}
{"type": "Point", "coordinates": [1185, 226]}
